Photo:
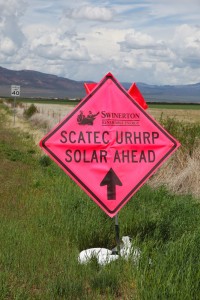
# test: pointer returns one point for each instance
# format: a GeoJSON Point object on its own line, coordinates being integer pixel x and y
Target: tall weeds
{"type": "Point", "coordinates": [181, 174]}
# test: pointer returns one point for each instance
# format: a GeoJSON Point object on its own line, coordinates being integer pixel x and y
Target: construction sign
{"type": "Point", "coordinates": [109, 145]}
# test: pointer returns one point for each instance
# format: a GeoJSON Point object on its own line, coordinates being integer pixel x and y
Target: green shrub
{"type": "Point", "coordinates": [188, 134]}
{"type": "Point", "coordinates": [44, 161]}
{"type": "Point", "coordinates": [10, 101]}
{"type": "Point", "coordinates": [30, 111]}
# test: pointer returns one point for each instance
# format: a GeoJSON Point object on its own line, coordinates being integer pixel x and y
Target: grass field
{"type": "Point", "coordinates": [181, 112]}
{"type": "Point", "coordinates": [43, 101]}
{"type": "Point", "coordinates": [53, 110]}
{"type": "Point", "coordinates": [46, 220]}
{"type": "Point", "coordinates": [174, 106]}
{"type": "Point", "coordinates": [75, 102]}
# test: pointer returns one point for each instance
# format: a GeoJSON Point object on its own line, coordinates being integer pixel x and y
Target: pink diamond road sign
{"type": "Point", "coordinates": [109, 145]}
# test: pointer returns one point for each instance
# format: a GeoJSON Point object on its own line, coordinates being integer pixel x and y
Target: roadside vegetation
{"type": "Point", "coordinates": [174, 106]}
{"type": "Point", "coordinates": [30, 111]}
{"type": "Point", "coordinates": [181, 174]}
{"type": "Point", "coordinates": [46, 220]}
{"type": "Point", "coordinates": [43, 101]}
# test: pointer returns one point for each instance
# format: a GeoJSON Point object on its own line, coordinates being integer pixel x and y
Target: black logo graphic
{"type": "Point", "coordinates": [89, 119]}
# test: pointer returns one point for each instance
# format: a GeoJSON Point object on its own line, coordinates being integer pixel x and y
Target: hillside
{"type": "Point", "coordinates": [38, 84]}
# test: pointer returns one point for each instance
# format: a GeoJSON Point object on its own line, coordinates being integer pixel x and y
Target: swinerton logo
{"type": "Point", "coordinates": [110, 118]}
{"type": "Point", "coordinates": [89, 119]}
{"type": "Point", "coordinates": [120, 119]}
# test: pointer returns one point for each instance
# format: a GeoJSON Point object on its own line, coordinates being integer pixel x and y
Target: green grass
{"type": "Point", "coordinates": [43, 101]}
{"type": "Point", "coordinates": [46, 220]}
{"type": "Point", "coordinates": [174, 106]}
{"type": "Point", "coordinates": [75, 102]}
{"type": "Point", "coordinates": [188, 134]}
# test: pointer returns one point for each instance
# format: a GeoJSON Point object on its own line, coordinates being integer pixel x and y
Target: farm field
{"type": "Point", "coordinates": [185, 113]}
{"type": "Point", "coordinates": [53, 113]}
{"type": "Point", "coordinates": [46, 220]}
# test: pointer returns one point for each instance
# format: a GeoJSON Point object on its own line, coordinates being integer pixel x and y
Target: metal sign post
{"type": "Point", "coordinates": [15, 92]}
{"type": "Point", "coordinates": [14, 110]}
{"type": "Point", "coordinates": [117, 234]}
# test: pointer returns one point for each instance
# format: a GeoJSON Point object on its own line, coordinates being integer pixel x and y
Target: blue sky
{"type": "Point", "coordinates": [151, 41]}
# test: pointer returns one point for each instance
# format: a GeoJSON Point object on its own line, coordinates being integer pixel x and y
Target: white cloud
{"type": "Point", "coordinates": [11, 35]}
{"type": "Point", "coordinates": [186, 43]}
{"type": "Point", "coordinates": [7, 47]}
{"type": "Point", "coordinates": [55, 44]}
{"type": "Point", "coordinates": [138, 40]}
{"type": "Point", "coordinates": [150, 41]}
{"type": "Point", "coordinates": [93, 13]}
{"type": "Point", "coordinates": [12, 8]}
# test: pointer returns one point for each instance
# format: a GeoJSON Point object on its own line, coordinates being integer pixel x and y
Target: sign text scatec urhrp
{"type": "Point", "coordinates": [104, 138]}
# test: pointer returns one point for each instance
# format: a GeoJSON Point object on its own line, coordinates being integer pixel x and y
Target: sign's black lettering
{"type": "Point", "coordinates": [134, 156]}
{"type": "Point", "coordinates": [86, 156]}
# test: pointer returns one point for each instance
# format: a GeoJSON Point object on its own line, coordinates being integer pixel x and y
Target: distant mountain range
{"type": "Point", "coordinates": [36, 84]}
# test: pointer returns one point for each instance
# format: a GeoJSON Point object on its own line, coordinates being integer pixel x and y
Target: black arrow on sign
{"type": "Point", "coordinates": [111, 180]}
